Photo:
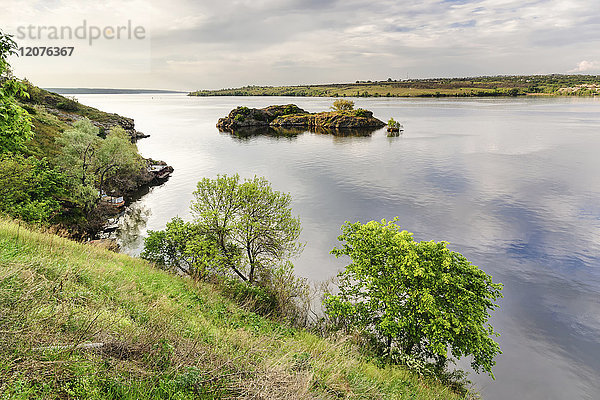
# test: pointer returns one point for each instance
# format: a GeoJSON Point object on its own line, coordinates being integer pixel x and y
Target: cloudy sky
{"type": "Point", "coordinates": [190, 45]}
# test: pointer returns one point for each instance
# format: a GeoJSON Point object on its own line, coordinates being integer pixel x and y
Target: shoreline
{"type": "Point", "coordinates": [484, 86]}
{"type": "Point", "coordinates": [51, 114]}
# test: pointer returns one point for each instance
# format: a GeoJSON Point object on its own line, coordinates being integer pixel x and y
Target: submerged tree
{"type": "Point", "coordinates": [393, 124]}
{"type": "Point", "coordinates": [416, 297]}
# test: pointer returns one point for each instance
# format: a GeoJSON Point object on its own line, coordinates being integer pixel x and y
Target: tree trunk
{"type": "Point", "coordinates": [103, 175]}
{"type": "Point", "coordinates": [224, 249]}
{"type": "Point", "coordinates": [251, 260]}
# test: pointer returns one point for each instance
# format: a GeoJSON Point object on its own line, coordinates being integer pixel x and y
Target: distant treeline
{"type": "Point", "coordinates": [555, 85]}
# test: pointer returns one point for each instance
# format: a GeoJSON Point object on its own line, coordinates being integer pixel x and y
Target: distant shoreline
{"type": "Point", "coordinates": [485, 86]}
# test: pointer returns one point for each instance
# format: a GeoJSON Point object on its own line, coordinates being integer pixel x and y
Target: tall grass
{"type": "Point", "coordinates": [158, 336]}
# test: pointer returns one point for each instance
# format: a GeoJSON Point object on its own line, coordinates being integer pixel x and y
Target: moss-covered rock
{"type": "Point", "coordinates": [244, 117]}
{"type": "Point", "coordinates": [292, 117]}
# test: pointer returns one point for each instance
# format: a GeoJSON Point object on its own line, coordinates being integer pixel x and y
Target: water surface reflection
{"type": "Point", "coordinates": [512, 184]}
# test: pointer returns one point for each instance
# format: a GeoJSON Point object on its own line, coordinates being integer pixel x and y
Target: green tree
{"type": "Point", "coordinates": [392, 123]}
{"type": "Point", "coordinates": [29, 188]}
{"type": "Point", "coordinates": [78, 148]}
{"type": "Point", "coordinates": [215, 210]}
{"type": "Point", "coordinates": [248, 217]}
{"type": "Point", "coordinates": [418, 298]}
{"type": "Point", "coordinates": [7, 47]}
{"type": "Point", "coordinates": [265, 228]}
{"type": "Point", "coordinates": [15, 123]}
{"type": "Point", "coordinates": [116, 157]}
{"type": "Point", "coordinates": [90, 161]}
{"type": "Point", "coordinates": [184, 248]}
{"type": "Point", "coordinates": [342, 105]}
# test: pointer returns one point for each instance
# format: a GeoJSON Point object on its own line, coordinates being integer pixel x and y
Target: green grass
{"type": "Point", "coordinates": [557, 85]}
{"type": "Point", "coordinates": [51, 114]}
{"type": "Point", "coordinates": [46, 128]}
{"type": "Point", "coordinates": [164, 336]}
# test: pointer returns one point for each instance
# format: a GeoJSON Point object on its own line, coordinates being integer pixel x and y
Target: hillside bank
{"type": "Point", "coordinates": [483, 86]}
{"type": "Point", "coordinates": [157, 335]}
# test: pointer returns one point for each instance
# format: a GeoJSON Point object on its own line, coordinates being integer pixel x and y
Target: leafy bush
{"type": "Point", "coordinates": [416, 298]}
{"type": "Point", "coordinates": [392, 123]}
{"type": "Point", "coordinates": [15, 123]}
{"type": "Point", "coordinates": [361, 112]}
{"type": "Point", "coordinates": [68, 105]}
{"type": "Point", "coordinates": [342, 105]}
{"type": "Point", "coordinates": [291, 293]}
{"type": "Point", "coordinates": [29, 188]}
{"type": "Point", "coordinates": [256, 298]}
{"type": "Point", "coordinates": [291, 109]}
{"type": "Point", "coordinates": [183, 248]}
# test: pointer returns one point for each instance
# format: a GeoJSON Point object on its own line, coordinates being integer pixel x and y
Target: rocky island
{"type": "Point", "coordinates": [292, 117]}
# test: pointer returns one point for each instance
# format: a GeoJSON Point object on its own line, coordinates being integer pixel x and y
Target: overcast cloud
{"type": "Point", "coordinates": [201, 44]}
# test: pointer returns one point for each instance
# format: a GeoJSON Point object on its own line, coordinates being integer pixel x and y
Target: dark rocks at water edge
{"type": "Point", "coordinates": [293, 117]}
{"type": "Point", "coordinates": [160, 170]}
{"type": "Point", "coordinates": [104, 219]}
{"type": "Point", "coordinates": [126, 123]}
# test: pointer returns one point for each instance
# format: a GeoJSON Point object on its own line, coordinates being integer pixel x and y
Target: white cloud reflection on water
{"type": "Point", "coordinates": [512, 185]}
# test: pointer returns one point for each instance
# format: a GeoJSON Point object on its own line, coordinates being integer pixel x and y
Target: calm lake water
{"type": "Point", "coordinates": [513, 184]}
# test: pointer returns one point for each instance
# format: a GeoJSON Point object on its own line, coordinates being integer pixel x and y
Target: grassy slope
{"type": "Point", "coordinates": [49, 122]}
{"type": "Point", "coordinates": [480, 86]}
{"type": "Point", "coordinates": [51, 114]}
{"type": "Point", "coordinates": [164, 336]}
{"type": "Point", "coordinates": [46, 127]}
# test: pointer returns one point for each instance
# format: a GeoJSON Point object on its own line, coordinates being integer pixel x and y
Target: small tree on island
{"type": "Point", "coordinates": [393, 124]}
{"type": "Point", "coordinates": [416, 298]}
{"type": "Point", "coordinates": [343, 105]}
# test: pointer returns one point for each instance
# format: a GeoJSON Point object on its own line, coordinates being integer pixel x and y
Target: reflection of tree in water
{"type": "Point", "coordinates": [132, 223]}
